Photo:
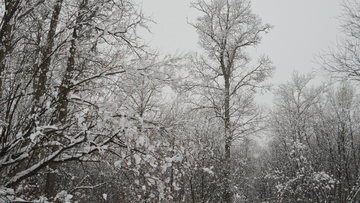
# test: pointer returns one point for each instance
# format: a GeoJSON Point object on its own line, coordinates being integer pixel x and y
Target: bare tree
{"type": "Point", "coordinates": [223, 76]}
{"type": "Point", "coordinates": [315, 144]}
{"type": "Point", "coordinates": [296, 110]}
{"type": "Point", "coordinates": [340, 129]}
{"type": "Point", "coordinates": [342, 61]}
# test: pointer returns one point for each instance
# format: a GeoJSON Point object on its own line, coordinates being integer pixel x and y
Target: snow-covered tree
{"type": "Point", "coordinates": [55, 58]}
{"type": "Point", "coordinates": [224, 80]}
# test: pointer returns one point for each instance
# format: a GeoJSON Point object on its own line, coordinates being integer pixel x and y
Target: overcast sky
{"type": "Point", "coordinates": [302, 28]}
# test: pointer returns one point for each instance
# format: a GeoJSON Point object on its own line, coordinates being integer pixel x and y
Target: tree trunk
{"type": "Point", "coordinates": [6, 31]}
{"type": "Point", "coordinates": [46, 58]}
{"type": "Point", "coordinates": [65, 86]}
{"type": "Point", "coordinates": [41, 85]}
{"type": "Point", "coordinates": [228, 137]}
{"type": "Point", "coordinates": [64, 90]}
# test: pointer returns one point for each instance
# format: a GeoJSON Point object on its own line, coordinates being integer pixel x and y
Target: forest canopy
{"type": "Point", "coordinates": [89, 112]}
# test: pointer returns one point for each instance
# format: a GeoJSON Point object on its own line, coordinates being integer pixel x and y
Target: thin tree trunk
{"type": "Point", "coordinates": [228, 137]}
{"type": "Point", "coordinates": [192, 191]}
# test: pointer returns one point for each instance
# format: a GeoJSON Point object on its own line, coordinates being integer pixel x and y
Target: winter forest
{"type": "Point", "coordinates": [89, 112]}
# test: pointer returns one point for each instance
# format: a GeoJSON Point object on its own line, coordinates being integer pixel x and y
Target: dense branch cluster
{"type": "Point", "coordinates": [90, 113]}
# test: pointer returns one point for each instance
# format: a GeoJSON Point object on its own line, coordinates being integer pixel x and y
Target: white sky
{"type": "Point", "coordinates": [302, 29]}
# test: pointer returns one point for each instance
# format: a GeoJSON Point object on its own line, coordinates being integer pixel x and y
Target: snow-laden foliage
{"type": "Point", "coordinates": [314, 147]}
{"type": "Point", "coordinates": [89, 113]}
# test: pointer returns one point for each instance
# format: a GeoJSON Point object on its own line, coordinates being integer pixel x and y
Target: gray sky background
{"type": "Point", "coordinates": [302, 28]}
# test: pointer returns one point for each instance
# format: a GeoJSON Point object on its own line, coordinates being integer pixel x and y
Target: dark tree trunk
{"type": "Point", "coordinates": [41, 86]}
{"type": "Point", "coordinates": [227, 126]}
{"type": "Point", "coordinates": [46, 58]}
{"type": "Point", "coordinates": [64, 90]}
{"type": "Point", "coordinates": [66, 83]}
{"type": "Point", "coordinates": [6, 32]}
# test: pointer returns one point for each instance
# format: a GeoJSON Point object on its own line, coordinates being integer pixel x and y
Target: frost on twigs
{"type": "Point", "coordinates": [6, 194]}
{"type": "Point", "coordinates": [63, 197]}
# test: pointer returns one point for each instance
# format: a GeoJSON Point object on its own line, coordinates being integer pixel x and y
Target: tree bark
{"type": "Point", "coordinates": [41, 85]}
{"type": "Point", "coordinates": [46, 58]}
{"type": "Point", "coordinates": [65, 86]}
{"type": "Point", "coordinates": [228, 137]}
{"type": "Point", "coordinates": [6, 31]}
{"type": "Point", "coordinates": [64, 90]}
